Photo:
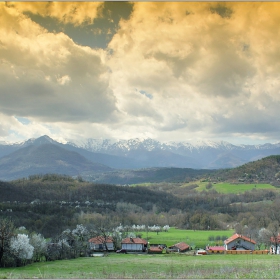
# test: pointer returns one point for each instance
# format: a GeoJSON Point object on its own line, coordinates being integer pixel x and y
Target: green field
{"type": "Point", "coordinates": [199, 239]}
{"type": "Point", "coordinates": [152, 266]}
{"type": "Point", "coordinates": [233, 188]}
{"type": "Point", "coordinates": [219, 187]}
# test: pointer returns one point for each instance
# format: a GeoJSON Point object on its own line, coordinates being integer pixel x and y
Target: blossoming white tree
{"type": "Point", "coordinates": [21, 247]}
{"type": "Point", "coordinates": [166, 228]}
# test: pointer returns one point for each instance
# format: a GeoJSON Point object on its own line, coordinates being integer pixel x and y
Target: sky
{"type": "Point", "coordinates": [170, 71]}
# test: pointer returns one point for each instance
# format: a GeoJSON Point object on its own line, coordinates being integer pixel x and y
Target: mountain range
{"type": "Point", "coordinates": [94, 157]}
{"type": "Point", "coordinates": [143, 153]}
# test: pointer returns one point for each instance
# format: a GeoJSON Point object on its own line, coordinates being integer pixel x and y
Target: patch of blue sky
{"type": "Point", "coordinates": [146, 94]}
{"type": "Point", "coordinates": [22, 120]}
{"type": "Point", "coordinates": [95, 35]}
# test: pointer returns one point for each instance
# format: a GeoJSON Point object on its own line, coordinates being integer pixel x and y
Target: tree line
{"type": "Point", "coordinates": [19, 246]}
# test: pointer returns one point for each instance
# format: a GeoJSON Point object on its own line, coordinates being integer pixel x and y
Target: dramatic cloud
{"type": "Point", "coordinates": [66, 12]}
{"type": "Point", "coordinates": [48, 76]}
{"type": "Point", "coordinates": [205, 64]}
{"type": "Point", "coordinates": [166, 70]}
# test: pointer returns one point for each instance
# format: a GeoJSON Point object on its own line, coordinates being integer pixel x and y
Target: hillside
{"type": "Point", "coordinates": [149, 175]}
{"type": "Point", "coordinates": [46, 158]}
{"type": "Point", "coordinates": [265, 170]}
{"type": "Point", "coordinates": [52, 203]}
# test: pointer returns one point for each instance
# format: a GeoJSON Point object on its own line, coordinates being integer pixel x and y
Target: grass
{"type": "Point", "coordinates": [191, 237]}
{"type": "Point", "coordinates": [223, 187]}
{"type": "Point", "coordinates": [233, 188]}
{"type": "Point", "coordinates": [152, 266]}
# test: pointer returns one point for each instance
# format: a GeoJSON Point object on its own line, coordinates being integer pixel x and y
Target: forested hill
{"type": "Point", "coordinates": [264, 170]}
{"type": "Point", "coordinates": [52, 187]}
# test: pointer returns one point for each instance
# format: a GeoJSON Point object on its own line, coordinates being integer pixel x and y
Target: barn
{"type": "Point", "coordinates": [134, 244]}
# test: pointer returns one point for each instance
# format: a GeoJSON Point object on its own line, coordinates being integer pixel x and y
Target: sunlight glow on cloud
{"type": "Point", "coordinates": [171, 70]}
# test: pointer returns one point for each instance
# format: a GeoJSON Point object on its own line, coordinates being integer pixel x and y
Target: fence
{"type": "Point", "coordinates": [239, 252]}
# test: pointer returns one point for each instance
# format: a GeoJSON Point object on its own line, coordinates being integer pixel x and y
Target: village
{"type": "Point", "coordinates": [236, 244]}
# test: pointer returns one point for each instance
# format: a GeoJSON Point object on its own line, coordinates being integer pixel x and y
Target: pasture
{"type": "Point", "coordinates": [194, 238]}
{"type": "Point", "coordinates": [166, 266]}
{"type": "Point", "coordinates": [233, 188]}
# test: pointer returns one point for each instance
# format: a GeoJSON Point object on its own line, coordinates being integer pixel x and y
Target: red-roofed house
{"type": "Point", "coordinates": [98, 243]}
{"type": "Point", "coordinates": [179, 247]}
{"type": "Point", "coordinates": [239, 242]}
{"type": "Point", "coordinates": [134, 244]}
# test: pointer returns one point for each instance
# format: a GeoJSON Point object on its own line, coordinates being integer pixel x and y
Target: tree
{"type": "Point", "coordinates": [21, 247]}
{"type": "Point", "coordinates": [40, 246]}
{"type": "Point", "coordinates": [263, 238]}
{"type": "Point", "coordinates": [6, 233]}
{"type": "Point", "coordinates": [81, 235]}
{"type": "Point", "coordinates": [166, 228]}
{"type": "Point", "coordinates": [274, 234]}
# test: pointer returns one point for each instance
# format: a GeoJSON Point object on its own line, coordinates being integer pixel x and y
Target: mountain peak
{"type": "Point", "coordinates": [45, 139]}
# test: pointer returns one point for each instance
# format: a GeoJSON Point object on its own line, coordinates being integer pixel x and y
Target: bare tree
{"type": "Point", "coordinates": [274, 234]}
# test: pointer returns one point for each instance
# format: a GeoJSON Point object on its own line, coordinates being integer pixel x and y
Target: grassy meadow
{"type": "Point", "coordinates": [233, 188]}
{"type": "Point", "coordinates": [222, 187]}
{"type": "Point", "coordinates": [195, 238]}
{"type": "Point", "coordinates": [168, 266]}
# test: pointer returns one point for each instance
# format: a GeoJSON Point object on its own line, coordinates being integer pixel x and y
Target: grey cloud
{"type": "Point", "coordinates": [222, 10]}
{"type": "Point", "coordinates": [248, 119]}
{"type": "Point", "coordinates": [49, 101]}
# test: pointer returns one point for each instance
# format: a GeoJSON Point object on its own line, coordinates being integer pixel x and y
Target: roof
{"type": "Point", "coordinates": [181, 246]}
{"type": "Point", "coordinates": [101, 240]}
{"type": "Point", "coordinates": [216, 248]}
{"type": "Point", "coordinates": [136, 240]}
{"type": "Point", "coordinates": [236, 236]}
{"type": "Point", "coordinates": [155, 249]}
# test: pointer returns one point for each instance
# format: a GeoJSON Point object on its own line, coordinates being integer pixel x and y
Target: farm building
{"type": "Point", "coordinates": [99, 243]}
{"type": "Point", "coordinates": [239, 242]}
{"type": "Point", "coordinates": [215, 249]}
{"type": "Point", "coordinates": [179, 247]}
{"type": "Point", "coordinates": [134, 244]}
{"type": "Point", "coordinates": [155, 249]}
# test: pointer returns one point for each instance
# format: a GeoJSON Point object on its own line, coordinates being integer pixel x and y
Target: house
{"type": "Point", "coordinates": [273, 251]}
{"type": "Point", "coordinates": [239, 242]}
{"type": "Point", "coordinates": [179, 247]}
{"type": "Point", "coordinates": [134, 244]}
{"type": "Point", "coordinates": [275, 244]}
{"type": "Point", "coordinates": [99, 243]}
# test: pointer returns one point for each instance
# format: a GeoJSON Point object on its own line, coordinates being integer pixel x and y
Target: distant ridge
{"type": "Point", "coordinates": [42, 157]}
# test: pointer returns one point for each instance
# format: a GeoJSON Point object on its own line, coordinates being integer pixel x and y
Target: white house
{"type": "Point", "coordinates": [98, 243]}
{"type": "Point", "coordinates": [239, 242]}
{"type": "Point", "coordinates": [134, 244]}
{"type": "Point", "coordinates": [273, 251]}
{"type": "Point", "coordinates": [275, 243]}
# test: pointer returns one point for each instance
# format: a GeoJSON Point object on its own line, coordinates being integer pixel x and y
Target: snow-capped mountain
{"type": "Point", "coordinates": [124, 146]}
{"type": "Point", "coordinates": [144, 153]}
{"type": "Point", "coordinates": [202, 154]}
